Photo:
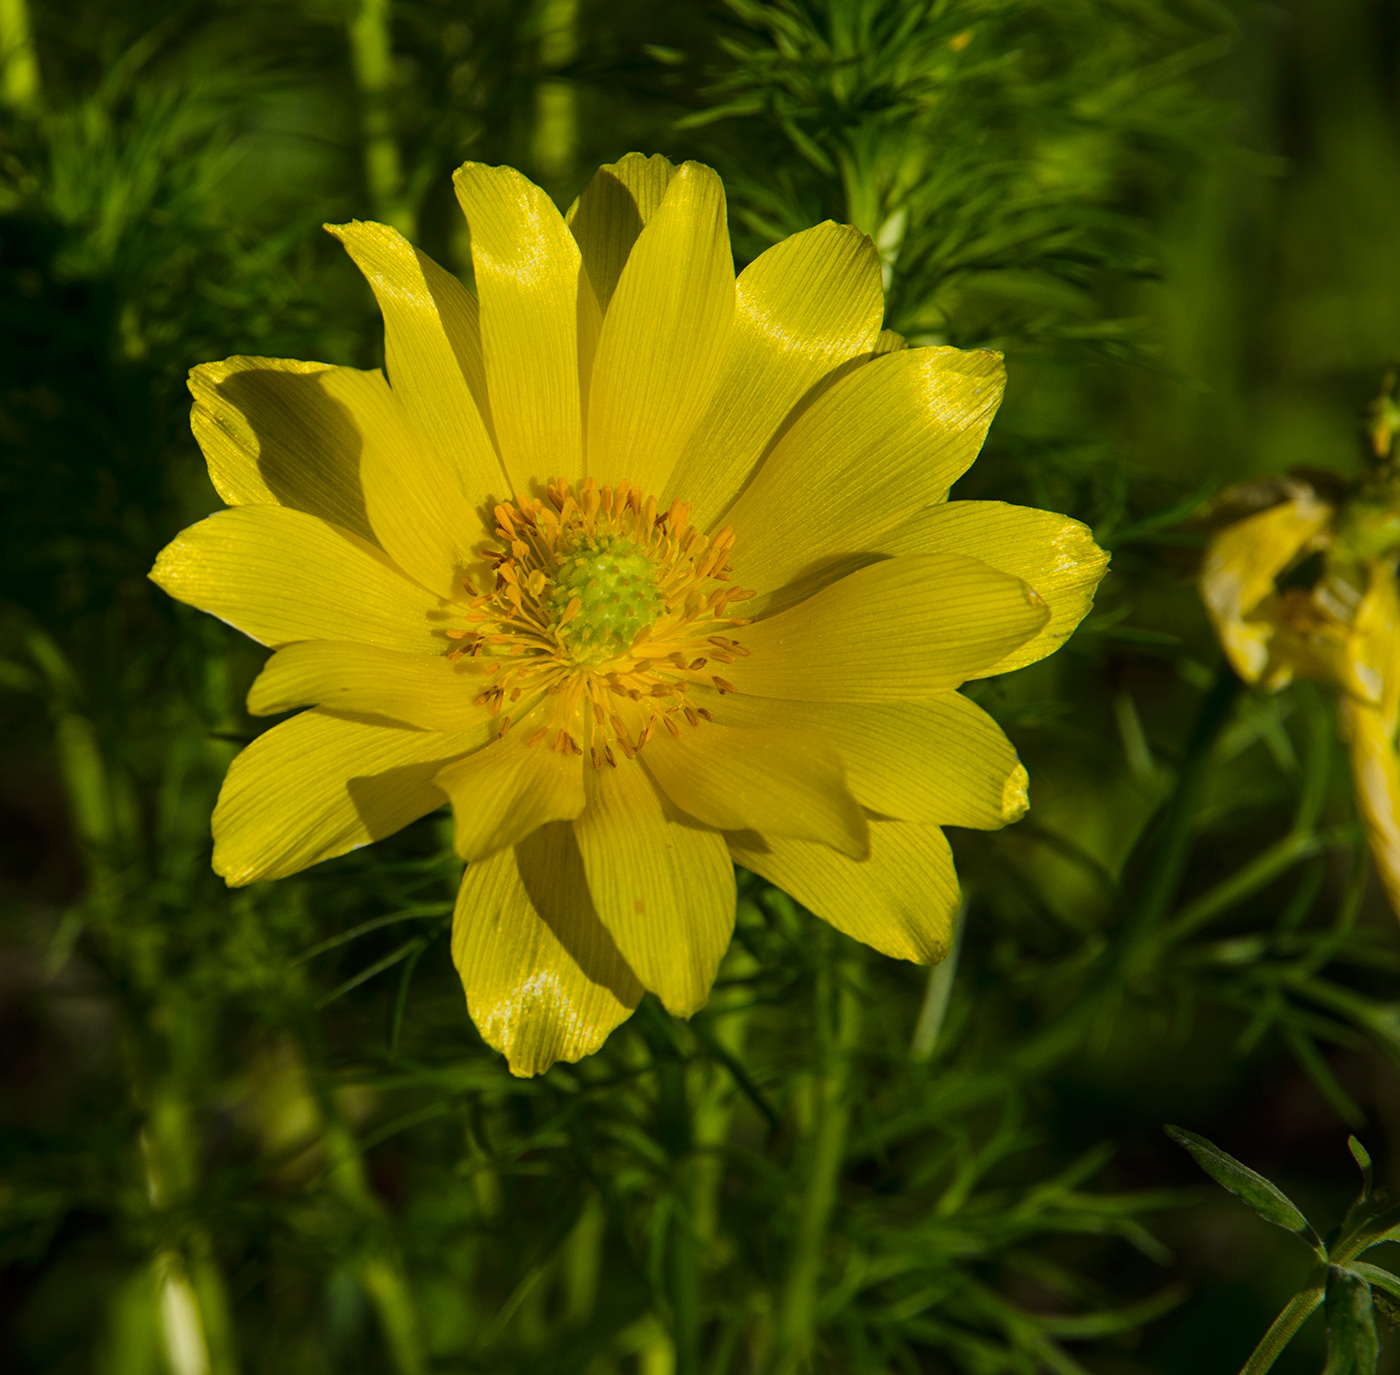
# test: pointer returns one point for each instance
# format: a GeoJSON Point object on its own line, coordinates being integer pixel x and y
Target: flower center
{"type": "Point", "coordinates": [603, 614]}
{"type": "Point", "coordinates": [617, 592]}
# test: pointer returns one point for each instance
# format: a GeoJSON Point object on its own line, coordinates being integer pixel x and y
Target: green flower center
{"type": "Point", "coordinates": [616, 588]}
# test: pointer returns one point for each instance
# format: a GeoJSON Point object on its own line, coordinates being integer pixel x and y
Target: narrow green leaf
{"type": "Point", "coordinates": [1362, 1157]}
{"type": "Point", "coordinates": [1267, 1199]}
{"type": "Point", "coordinates": [1352, 1347]}
{"type": "Point", "coordinates": [1377, 1278]}
{"type": "Point", "coordinates": [1378, 1227]}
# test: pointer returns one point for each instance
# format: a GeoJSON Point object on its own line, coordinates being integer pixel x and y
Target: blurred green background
{"type": "Point", "coordinates": [255, 1131]}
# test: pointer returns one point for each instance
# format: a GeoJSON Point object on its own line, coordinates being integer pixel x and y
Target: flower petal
{"type": "Point", "coordinates": [429, 692]}
{"type": "Point", "coordinates": [1372, 658]}
{"type": "Point", "coordinates": [1375, 774]}
{"type": "Point", "coordinates": [780, 782]}
{"type": "Point", "coordinates": [888, 438]}
{"type": "Point", "coordinates": [901, 901]}
{"type": "Point", "coordinates": [1054, 554]}
{"type": "Point", "coordinates": [1239, 570]}
{"type": "Point", "coordinates": [529, 282]}
{"type": "Point", "coordinates": [543, 978]}
{"type": "Point", "coordinates": [664, 336]}
{"type": "Point", "coordinates": [503, 792]}
{"type": "Point", "coordinates": [321, 785]}
{"type": "Point", "coordinates": [896, 630]}
{"type": "Point", "coordinates": [273, 436]}
{"type": "Point", "coordinates": [1373, 647]}
{"type": "Point", "coordinates": [432, 349]}
{"type": "Point", "coordinates": [664, 890]}
{"type": "Point", "coordinates": [942, 761]}
{"type": "Point", "coordinates": [281, 575]}
{"type": "Point", "coordinates": [802, 308]}
{"type": "Point", "coordinates": [414, 501]}
{"type": "Point", "coordinates": [611, 211]}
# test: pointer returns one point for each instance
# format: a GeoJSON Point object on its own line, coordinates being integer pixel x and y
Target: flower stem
{"type": "Point", "coordinates": [193, 1302]}
{"type": "Point", "coordinates": [556, 101]}
{"type": "Point", "coordinates": [583, 1256]}
{"type": "Point", "coordinates": [839, 1016]}
{"type": "Point", "coordinates": [685, 1289]}
{"type": "Point", "coordinates": [937, 994]}
{"type": "Point", "coordinates": [19, 64]}
{"type": "Point", "coordinates": [1165, 873]}
{"type": "Point", "coordinates": [727, 1018]}
{"type": "Point", "coordinates": [378, 1270]}
{"type": "Point", "coordinates": [373, 57]}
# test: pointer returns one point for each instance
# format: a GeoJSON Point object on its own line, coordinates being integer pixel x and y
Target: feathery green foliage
{"type": "Point", "coordinates": [255, 1130]}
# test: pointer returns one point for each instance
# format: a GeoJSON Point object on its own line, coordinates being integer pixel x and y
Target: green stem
{"type": "Point", "coordinates": [826, 1150]}
{"type": "Point", "coordinates": [1317, 761]}
{"type": "Point", "coordinates": [1164, 875]}
{"type": "Point", "coordinates": [657, 1353]}
{"type": "Point", "coordinates": [727, 1023]}
{"type": "Point", "coordinates": [373, 57]}
{"type": "Point", "coordinates": [1263, 869]}
{"type": "Point", "coordinates": [685, 1291]}
{"type": "Point", "coordinates": [86, 779]}
{"type": "Point", "coordinates": [19, 64]}
{"type": "Point", "coordinates": [1284, 1328]}
{"type": "Point", "coordinates": [556, 102]}
{"type": "Point", "coordinates": [194, 1308]}
{"type": "Point", "coordinates": [937, 994]}
{"type": "Point", "coordinates": [384, 1283]}
{"type": "Point", "coordinates": [378, 1270]}
{"type": "Point", "coordinates": [583, 1255]}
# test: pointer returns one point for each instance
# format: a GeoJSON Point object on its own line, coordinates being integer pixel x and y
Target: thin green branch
{"type": "Point", "coordinates": [1283, 1329]}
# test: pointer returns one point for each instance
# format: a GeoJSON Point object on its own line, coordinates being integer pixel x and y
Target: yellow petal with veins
{"type": "Point", "coordinates": [899, 629]}
{"type": "Point", "coordinates": [528, 282]}
{"type": "Point", "coordinates": [889, 437]}
{"type": "Point", "coordinates": [432, 349]}
{"type": "Point", "coordinates": [503, 792]}
{"type": "Point", "coordinates": [901, 901]}
{"type": "Point", "coordinates": [605, 221]}
{"type": "Point", "coordinates": [416, 508]}
{"type": "Point", "coordinates": [281, 575]}
{"type": "Point", "coordinates": [321, 785]}
{"type": "Point", "coordinates": [544, 979]}
{"type": "Point", "coordinates": [1054, 554]}
{"type": "Point", "coordinates": [500, 577]}
{"type": "Point", "coordinates": [942, 761]}
{"type": "Point", "coordinates": [803, 308]}
{"type": "Point", "coordinates": [611, 211]}
{"type": "Point", "coordinates": [273, 435]}
{"type": "Point", "coordinates": [664, 336]}
{"type": "Point", "coordinates": [428, 692]}
{"type": "Point", "coordinates": [665, 890]}
{"type": "Point", "coordinates": [780, 782]}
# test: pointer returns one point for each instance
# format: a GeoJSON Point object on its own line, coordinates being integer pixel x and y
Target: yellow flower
{"type": "Point", "coordinates": [1369, 725]}
{"type": "Point", "coordinates": [647, 570]}
{"type": "Point", "coordinates": [1238, 579]}
{"type": "Point", "coordinates": [1342, 630]}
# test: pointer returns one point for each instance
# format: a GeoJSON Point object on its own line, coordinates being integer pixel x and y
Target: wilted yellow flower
{"type": "Point", "coordinates": [1342, 627]}
{"type": "Point", "coordinates": [646, 569]}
